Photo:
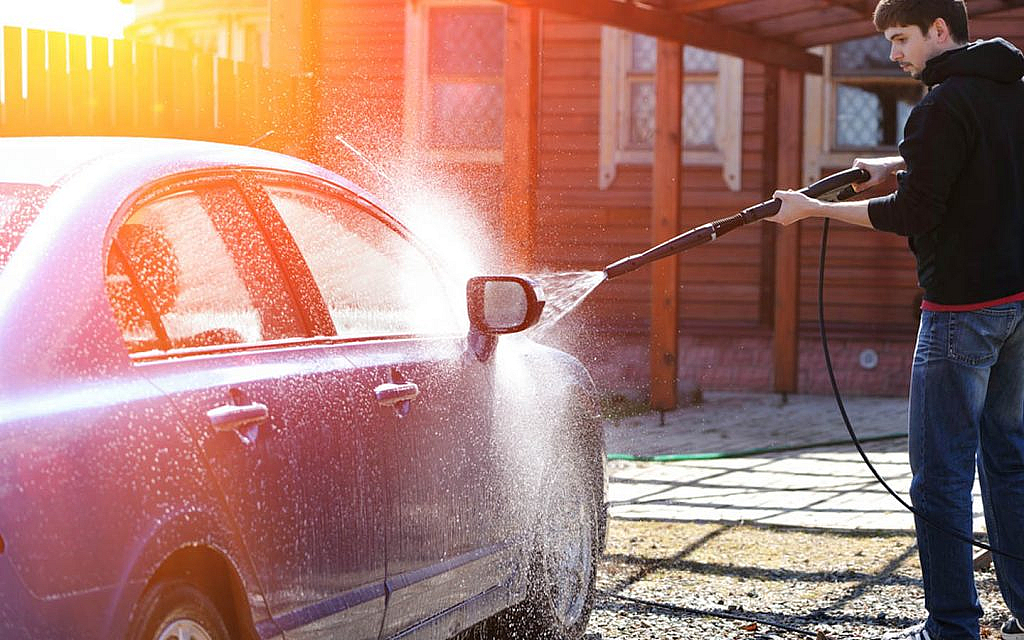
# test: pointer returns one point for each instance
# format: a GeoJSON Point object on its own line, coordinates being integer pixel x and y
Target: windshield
{"type": "Point", "coordinates": [19, 206]}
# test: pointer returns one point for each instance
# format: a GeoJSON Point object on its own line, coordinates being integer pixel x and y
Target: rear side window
{"type": "Point", "coordinates": [374, 281]}
{"type": "Point", "coordinates": [191, 269]}
{"type": "Point", "coordinates": [19, 206]}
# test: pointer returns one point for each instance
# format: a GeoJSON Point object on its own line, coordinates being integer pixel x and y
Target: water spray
{"type": "Point", "coordinates": [362, 156]}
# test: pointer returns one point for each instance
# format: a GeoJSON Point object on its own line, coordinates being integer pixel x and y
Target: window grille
{"type": "Point", "coordinates": [465, 66]}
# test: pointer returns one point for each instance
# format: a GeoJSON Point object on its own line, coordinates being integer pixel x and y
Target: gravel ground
{"type": "Point", "coordinates": [831, 585]}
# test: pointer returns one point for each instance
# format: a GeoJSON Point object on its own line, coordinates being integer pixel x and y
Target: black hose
{"type": "Point", "coordinates": [849, 427]}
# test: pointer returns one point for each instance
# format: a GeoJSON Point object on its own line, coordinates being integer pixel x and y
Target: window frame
{"type": "Point", "coordinates": [616, 48]}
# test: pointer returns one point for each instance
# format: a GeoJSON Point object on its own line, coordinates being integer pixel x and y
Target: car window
{"type": "Point", "coordinates": [19, 206]}
{"type": "Point", "coordinates": [374, 281]}
{"type": "Point", "coordinates": [191, 269]}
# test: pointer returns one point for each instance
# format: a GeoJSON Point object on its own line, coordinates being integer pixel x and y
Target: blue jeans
{"type": "Point", "coordinates": [967, 404]}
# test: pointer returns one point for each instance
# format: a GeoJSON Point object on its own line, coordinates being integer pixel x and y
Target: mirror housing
{"type": "Point", "coordinates": [503, 304]}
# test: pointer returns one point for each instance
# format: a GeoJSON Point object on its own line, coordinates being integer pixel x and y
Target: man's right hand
{"type": "Point", "coordinates": [878, 168]}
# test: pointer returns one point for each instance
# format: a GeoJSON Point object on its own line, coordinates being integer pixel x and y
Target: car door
{"type": "Point", "coordinates": [295, 454]}
{"type": "Point", "coordinates": [445, 534]}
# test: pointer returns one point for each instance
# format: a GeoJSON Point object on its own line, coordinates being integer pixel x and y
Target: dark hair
{"type": "Point", "coordinates": [922, 13]}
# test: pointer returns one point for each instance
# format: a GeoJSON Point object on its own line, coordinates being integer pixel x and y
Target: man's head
{"type": "Point", "coordinates": [919, 30]}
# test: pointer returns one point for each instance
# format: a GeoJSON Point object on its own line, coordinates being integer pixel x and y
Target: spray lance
{"type": "Point", "coordinates": [833, 188]}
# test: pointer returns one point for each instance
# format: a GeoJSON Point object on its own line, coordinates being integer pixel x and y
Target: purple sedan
{"type": "Point", "coordinates": [238, 399]}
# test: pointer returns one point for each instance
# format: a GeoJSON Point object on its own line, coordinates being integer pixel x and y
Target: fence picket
{"type": "Point", "coordinates": [125, 89]}
{"type": "Point", "coordinates": [80, 99]}
{"type": "Point", "coordinates": [36, 97]}
{"type": "Point", "coordinates": [227, 99]}
{"type": "Point", "coordinates": [145, 89]}
{"type": "Point", "coordinates": [100, 87]}
{"type": "Point", "coordinates": [248, 104]}
{"type": "Point", "coordinates": [163, 112]}
{"type": "Point", "coordinates": [205, 92]}
{"type": "Point", "coordinates": [14, 101]}
{"type": "Point", "coordinates": [183, 89]}
{"type": "Point", "coordinates": [57, 81]}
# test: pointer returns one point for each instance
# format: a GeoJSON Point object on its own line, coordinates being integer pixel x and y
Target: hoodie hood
{"type": "Point", "coordinates": [994, 59]}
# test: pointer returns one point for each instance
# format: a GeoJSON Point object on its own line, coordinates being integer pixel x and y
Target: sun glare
{"type": "Point", "coordinates": [86, 17]}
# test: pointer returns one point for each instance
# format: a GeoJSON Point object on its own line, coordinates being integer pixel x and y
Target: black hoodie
{"type": "Point", "coordinates": [961, 199]}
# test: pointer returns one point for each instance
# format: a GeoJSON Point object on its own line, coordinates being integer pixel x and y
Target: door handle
{"type": "Point", "coordinates": [391, 393]}
{"type": "Point", "coordinates": [229, 417]}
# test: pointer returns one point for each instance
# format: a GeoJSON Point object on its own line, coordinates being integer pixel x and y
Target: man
{"type": "Point", "coordinates": [960, 202]}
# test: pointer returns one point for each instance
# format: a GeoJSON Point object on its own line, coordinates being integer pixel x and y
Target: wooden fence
{"type": "Point", "coordinates": [63, 84]}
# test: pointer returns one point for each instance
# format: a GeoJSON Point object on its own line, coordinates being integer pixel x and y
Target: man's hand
{"type": "Point", "coordinates": [879, 169]}
{"type": "Point", "coordinates": [795, 207]}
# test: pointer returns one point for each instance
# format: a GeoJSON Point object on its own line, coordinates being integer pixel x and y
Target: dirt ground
{"type": "Point", "coordinates": [824, 584]}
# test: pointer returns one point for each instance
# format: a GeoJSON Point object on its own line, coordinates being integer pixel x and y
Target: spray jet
{"type": "Point", "coordinates": [833, 188]}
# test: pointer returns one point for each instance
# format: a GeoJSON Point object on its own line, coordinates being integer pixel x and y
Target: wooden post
{"type": "Point", "coordinates": [787, 239]}
{"type": "Point", "coordinates": [520, 133]}
{"type": "Point", "coordinates": [666, 182]}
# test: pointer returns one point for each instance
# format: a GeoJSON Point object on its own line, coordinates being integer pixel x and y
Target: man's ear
{"type": "Point", "coordinates": [940, 29]}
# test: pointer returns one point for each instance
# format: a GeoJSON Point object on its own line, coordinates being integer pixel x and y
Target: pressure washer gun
{"type": "Point", "coordinates": [834, 188]}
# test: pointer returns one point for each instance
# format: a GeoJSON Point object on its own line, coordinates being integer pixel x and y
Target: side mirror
{"type": "Point", "coordinates": [503, 304]}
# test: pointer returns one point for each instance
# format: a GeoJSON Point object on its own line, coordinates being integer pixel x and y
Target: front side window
{"type": "Point", "coordinates": [374, 281]}
{"type": "Point", "coordinates": [191, 269]}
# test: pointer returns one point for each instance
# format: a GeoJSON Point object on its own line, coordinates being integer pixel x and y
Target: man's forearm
{"type": "Point", "coordinates": [849, 212]}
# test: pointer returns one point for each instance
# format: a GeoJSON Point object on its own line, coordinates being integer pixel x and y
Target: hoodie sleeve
{"type": "Point", "coordinates": [934, 149]}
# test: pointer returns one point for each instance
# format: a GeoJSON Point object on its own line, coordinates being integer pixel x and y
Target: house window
{"type": "Point", "coordinates": [455, 91]}
{"type": "Point", "coordinates": [712, 106]}
{"type": "Point", "coordinates": [858, 107]}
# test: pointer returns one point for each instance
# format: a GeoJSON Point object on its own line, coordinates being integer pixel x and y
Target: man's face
{"type": "Point", "coordinates": [911, 49]}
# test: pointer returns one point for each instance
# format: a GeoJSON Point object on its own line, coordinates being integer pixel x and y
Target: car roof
{"type": "Point", "coordinates": [52, 160]}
